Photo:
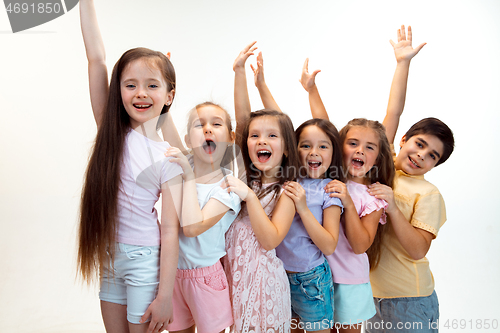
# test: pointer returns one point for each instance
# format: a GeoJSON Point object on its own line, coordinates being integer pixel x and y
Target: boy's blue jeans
{"type": "Point", "coordinates": [405, 314]}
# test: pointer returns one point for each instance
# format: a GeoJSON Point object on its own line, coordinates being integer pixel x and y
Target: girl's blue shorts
{"type": "Point", "coordinates": [312, 297]}
{"type": "Point", "coordinates": [133, 279]}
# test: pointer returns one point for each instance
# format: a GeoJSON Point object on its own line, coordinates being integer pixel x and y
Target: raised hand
{"type": "Point", "coordinates": [239, 63]}
{"type": "Point", "coordinates": [308, 80]}
{"type": "Point", "coordinates": [258, 71]}
{"type": "Point", "coordinates": [403, 50]}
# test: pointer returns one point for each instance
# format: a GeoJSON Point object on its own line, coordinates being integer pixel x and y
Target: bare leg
{"type": "Point", "coordinates": [114, 317]}
{"type": "Point", "coordinates": [295, 323]}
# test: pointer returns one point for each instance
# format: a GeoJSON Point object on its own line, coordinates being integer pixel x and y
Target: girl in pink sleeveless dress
{"type": "Point", "coordinates": [260, 291]}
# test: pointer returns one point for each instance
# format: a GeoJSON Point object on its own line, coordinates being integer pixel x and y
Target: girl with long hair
{"type": "Point", "coordinates": [366, 160]}
{"type": "Point", "coordinates": [260, 291]}
{"type": "Point", "coordinates": [119, 233]}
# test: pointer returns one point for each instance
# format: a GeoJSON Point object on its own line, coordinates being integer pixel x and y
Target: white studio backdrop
{"type": "Point", "coordinates": [47, 127]}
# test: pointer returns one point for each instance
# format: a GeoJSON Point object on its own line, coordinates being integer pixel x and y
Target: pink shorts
{"type": "Point", "coordinates": [201, 297]}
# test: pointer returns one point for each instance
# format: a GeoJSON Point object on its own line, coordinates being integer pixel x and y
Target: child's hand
{"type": "Point", "coordinates": [178, 157]}
{"type": "Point", "coordinates": [403, 49]}
{"type": "Point", "coordinates": [297, 193]}
{"type": "Point", "coordinates": [337, 189]}
{"type": "Point", "coordinates": [233, 184]}
{"type": "Point", "coordinates": [308, 80]}
{"type": "Point", "coordinates": [161, 314]}
{"type": "Point", "coordinates": [239, 63]}
{"type": "Point", "coordinates": [258, 72]}
{"type": "Point", "coordinates": [383, 192]}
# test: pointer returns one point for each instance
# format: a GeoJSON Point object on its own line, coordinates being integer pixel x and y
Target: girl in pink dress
{"type": "Point", "coordinates": [260, 292]}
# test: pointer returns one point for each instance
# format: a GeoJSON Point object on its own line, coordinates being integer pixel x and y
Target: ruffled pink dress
{"type": "Point", "coordinates": [258, 284]}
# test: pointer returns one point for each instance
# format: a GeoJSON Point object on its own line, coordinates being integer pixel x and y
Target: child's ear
{"type": "Point", "coordinates": [232, 136]}
{"type": "Point", "coordinates": [170, 97]}
{"type": "Point", "coordinates": [187, 141]}
{"type": "Point", "coordinates": [402, 142]}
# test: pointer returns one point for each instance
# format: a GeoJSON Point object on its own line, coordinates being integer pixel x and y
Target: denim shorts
{"type": "Point", "coordinates": [312, 297]}
{"type": "Point", "coordinates": [134, 279]}
{"type": "Point", "coordinates": [405, 314]}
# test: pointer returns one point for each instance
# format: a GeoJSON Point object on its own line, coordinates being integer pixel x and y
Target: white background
{"type": "Point", "coordinates": [47, 127]}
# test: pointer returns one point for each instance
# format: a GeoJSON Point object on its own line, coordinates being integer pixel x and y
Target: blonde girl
{"type": "Point", "coordinates": [366, 160]}
{"type": "Point", "coordinates": [119, 234]}
{"type": "Point", "coordinates": [201, 295]}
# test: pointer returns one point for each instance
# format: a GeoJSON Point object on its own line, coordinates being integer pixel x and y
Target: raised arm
{"type": "Point", "coordinates": [241, 100]}
{"type": "Point", "coordinates": [308, 81]}
{"type": "Point", "coordinates": [265, 94]}
{"type": "Point", "coordinates": [404, 52]}
{"type": "Point", "coordinates": [96, 55]}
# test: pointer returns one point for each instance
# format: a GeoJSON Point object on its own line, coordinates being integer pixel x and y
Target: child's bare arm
{"type": "Point", "coordinates": [96, 55]}
{"type": "Point", "coordinates": [360, 232]}
{"type": "Point", "coordinates": [415, 241]}
{"type": "Point", "coordinates": [404, 52]}
{"type": "Point", "coordinates": [308, 81]}
{"type": "Point", "coordinates": [241, 100]}
{"type": "Point", "coordinates": [265, 94]}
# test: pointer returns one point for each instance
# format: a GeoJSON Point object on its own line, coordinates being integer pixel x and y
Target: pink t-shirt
{"type": "Point", "coordinates": [144, 169]}
{"type": "Point", "coordinates": [348, 267]}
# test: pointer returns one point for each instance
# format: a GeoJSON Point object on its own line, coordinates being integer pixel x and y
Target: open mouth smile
{"type": "Point", "coordinates": [314, 164]}
{"type": "Point", "coordinates": [357, 163]}
{"type": "Point", "coordinates": [142, 107]}
{"type": "Point", "coordinates": [263, 155]}
{"type": "Point", "coordinates": [413, 162]}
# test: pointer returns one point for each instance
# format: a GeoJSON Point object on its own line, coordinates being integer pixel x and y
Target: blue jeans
{"type": "Point", "coordinates": [405, 314]}
{"type": "Point", "coordinates": [312, 297]}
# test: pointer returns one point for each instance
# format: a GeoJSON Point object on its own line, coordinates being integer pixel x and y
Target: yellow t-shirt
{"type": "Point", "coordinates": [397, 274]}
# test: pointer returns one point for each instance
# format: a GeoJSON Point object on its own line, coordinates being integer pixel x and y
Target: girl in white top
{"type": "Point", "coordinates": [120, 235]}
{"type": "Point", "coordinates": [201, 294]}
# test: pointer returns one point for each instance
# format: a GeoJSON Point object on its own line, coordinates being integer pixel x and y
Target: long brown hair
{"type": "Point", "coordinates": [289, 162]}
{"type": "Point", "coordinates": [99, 202]}
{"type": "Point", "coordinates": [382, 171]}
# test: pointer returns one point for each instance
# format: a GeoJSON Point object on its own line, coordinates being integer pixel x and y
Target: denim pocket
{"type": "Point", "coordinates": [311, 288]}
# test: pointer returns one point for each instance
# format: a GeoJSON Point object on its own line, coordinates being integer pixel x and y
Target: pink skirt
{"type": "Point", "coordinates": [258, 284]}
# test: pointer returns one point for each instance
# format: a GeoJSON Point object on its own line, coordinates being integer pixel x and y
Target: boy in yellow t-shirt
{"type": "Point", "coordinates": [402, 283]}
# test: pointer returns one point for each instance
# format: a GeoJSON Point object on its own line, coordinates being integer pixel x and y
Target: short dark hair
{"type": "Point", "coordinates": [436, 127]}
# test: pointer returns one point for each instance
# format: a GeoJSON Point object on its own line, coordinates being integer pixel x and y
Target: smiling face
{"type": "Point", "coordinates": [419, 154]}
{"type": "Point", "coordinates": [208, 134]}
{"type": "Point", "coordinates": [315, 151]}
{"type": "Point", "coordinates": [360, 151]}
{"type": "Point", "coordinates": [144, 92]}
{"type": "Point", "coordinates": [265, 146]}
